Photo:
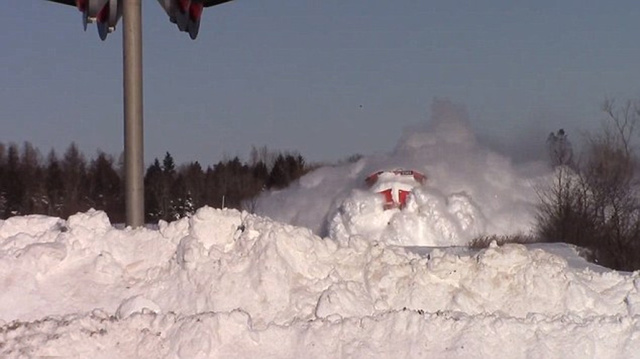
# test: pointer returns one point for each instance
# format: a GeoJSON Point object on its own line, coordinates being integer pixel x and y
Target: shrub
{"type": "Point", "coordinates": [485, 241]}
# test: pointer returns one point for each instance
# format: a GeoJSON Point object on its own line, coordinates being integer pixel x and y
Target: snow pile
{"type": "Point", "coordinates": [231, 284]}
{"type": "Point", "coordinates": [470, 190]}
{"type": "Point", "coordinates": [430, 218]}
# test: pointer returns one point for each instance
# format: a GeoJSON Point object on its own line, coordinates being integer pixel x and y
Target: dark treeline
{"type": "Point", "coordinates": [62, 185]}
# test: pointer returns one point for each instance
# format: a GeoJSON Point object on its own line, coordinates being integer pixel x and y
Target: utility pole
{"type": "Point", "coordinates": [133, 122]}
{"type": "Point", "coordinates": [106, 13]}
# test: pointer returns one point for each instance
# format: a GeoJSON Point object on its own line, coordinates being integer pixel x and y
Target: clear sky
{"type": "Point", "coordinates": [326, 78]}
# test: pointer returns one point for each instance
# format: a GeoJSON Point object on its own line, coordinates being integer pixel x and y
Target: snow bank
{"type": "Point", "coordinates": [405, 334]}
{"type": "Point", "coordinates": [225, 283]}
{"type": "Point", "coordinates": [470, 190]}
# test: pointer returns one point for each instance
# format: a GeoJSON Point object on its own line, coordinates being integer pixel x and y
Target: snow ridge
{"type": "Point", "coordinates": [226, 282]}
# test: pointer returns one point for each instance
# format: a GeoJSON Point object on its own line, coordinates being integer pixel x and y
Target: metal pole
{"type": "Point", "coordinates": [133, 130]}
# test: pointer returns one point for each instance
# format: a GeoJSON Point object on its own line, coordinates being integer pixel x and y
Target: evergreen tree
{"type": "Point", "coordinates": [279, 175]}
{"type": "Point", "coordinates": [286, 169]}
{"type": "Point", "coordinates": [3, 165]}
{"type": "Point", "coordinates": [212, 193]}
{"type": "Point", "coordinates": [105, 187]}
{"type": "Point", "coordinates": [153, 192]}
{"type": "Point", "coordinates": [168, 165]}
{"type": "Point", "coordinates": [260, 175]}
{"type": "Point", "coordinates": [168, 179]}
{"type": "Point", "coordinates": [3, 155]}
{"type": "Point", "coordinates": [54, 185]}
{"type": "Point", "coordinates": [31, 173]}
{"type": "Point", "coordinates": [295, 166]}
{"type": "Point", "coordinates": [194, 179]}
{"type": "Point", "coordinates": [181, 204]}
{"type": "Point", "coordinates": [14, 187]}
{"type": "Point", "coordinates": [74, 168]}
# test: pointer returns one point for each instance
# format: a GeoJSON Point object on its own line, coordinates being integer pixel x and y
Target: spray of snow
{"type": "Point", "coordinates": [470, 190]}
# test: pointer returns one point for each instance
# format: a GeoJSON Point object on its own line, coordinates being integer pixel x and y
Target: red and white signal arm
{"type": "Point", "coordinates": [104, 13]}
{"type": "Point", "coordinates": [186, 14]}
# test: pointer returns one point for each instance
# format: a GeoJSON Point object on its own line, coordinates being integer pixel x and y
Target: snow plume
{"type": "Point", "coordinates": [470, 190]}
{"type": "Point", "coordinates": [229, 284]}
{"type": "Point", "coordinates": [449, 125]}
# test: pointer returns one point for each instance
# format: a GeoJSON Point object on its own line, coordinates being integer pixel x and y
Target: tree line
{"type": "Point", "coordinates": [63, 185]}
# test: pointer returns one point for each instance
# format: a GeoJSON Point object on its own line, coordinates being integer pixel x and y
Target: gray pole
{"type": "Point", "coordinates": [133, 132]}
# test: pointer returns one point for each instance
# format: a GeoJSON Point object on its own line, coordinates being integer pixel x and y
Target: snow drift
{"type": "Point", "coordinates": [225, 283]}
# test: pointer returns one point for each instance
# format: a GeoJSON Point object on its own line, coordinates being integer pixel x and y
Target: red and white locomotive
{"type": "Point", "coordinates": [395, 185]}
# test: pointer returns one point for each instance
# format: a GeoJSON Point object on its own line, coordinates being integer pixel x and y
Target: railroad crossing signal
{"type": "Point", "coordinates": [186, 14]}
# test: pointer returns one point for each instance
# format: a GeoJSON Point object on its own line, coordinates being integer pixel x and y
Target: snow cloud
{"type": "Point", "coordinates": [470, 190]}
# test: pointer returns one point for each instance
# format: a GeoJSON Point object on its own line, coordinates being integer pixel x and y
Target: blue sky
{"type": "Point", "coordinates": [326, 78]}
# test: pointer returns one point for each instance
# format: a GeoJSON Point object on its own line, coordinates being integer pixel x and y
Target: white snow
{"type": "Point", "coordinates": [469, 191]}
{"type": "Point", "coordinates": [225, 283]}
{"type": "Point", "coordinates": [229, 284]}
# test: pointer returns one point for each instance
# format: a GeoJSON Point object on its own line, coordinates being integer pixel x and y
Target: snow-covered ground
{"type": "Point", "coordinates": [333, 276]}
{"type": "Point", "coordinates": [228, 284]}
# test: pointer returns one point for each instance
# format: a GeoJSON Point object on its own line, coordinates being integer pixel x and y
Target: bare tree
{"type": "Point", "coordinates": [597, 205]}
